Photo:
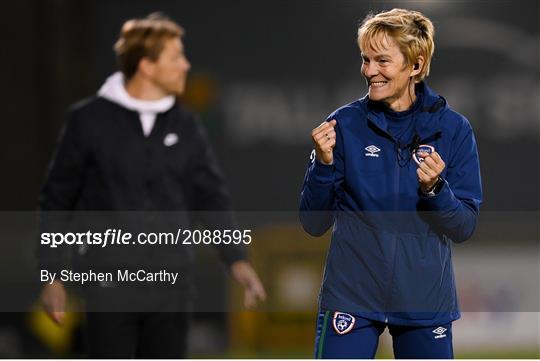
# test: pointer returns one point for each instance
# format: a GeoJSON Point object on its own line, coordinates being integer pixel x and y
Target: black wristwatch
{"type": "Point", "coordinates": [433, 191]}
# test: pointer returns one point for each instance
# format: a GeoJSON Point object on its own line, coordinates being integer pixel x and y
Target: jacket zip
{"type": "Point", "coordinates": [396, 199]}
{"type": "Point", "coordinates": [395, 237]}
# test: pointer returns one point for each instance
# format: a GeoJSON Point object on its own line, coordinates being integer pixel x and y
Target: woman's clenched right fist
{"type": "Point", "coordinates": [324, 138]}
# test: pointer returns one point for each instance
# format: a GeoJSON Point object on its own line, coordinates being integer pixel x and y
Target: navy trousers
{"type": "Point", "coordinates": [343, 335]}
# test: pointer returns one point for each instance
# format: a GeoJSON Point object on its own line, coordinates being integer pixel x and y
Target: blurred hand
{"type": "Point", "coordinates": [324, 138]}
{"type": "Point", "coordinates": [53, 299]}
{"type": "Point", "coordinates": [244, 274]}
{"type": "Point", "coordinates": [429, 171]}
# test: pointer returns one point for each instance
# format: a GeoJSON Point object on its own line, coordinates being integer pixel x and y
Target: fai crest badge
{"type": "Point", "coordinates": [343, 322]}
{"type": "Point", "coordinates": [422, 152]}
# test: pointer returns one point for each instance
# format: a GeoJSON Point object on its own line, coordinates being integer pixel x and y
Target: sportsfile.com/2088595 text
{"type": "Point", "coordinates": [120, 237]}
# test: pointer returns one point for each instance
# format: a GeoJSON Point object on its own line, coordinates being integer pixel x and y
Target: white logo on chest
{"type": "Point", "coordinates": [372, 151]}
{"type": "Point", "coordinates": [170, 139]}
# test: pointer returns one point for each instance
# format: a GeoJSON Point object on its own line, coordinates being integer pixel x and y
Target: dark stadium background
{"type": "Point", "coordinates": [263, 74]}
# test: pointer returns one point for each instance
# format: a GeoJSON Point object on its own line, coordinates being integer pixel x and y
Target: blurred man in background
{"type": "Point", "coordinates": [133, 147]}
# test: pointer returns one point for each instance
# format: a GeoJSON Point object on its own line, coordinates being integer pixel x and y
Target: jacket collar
{"type": "Point", "coordinates": [114, 90]}
{"type": "Point", "coordinates": [427, 117]}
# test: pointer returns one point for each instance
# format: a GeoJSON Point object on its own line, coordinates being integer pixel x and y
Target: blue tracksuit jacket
{"type": "Point", "coordinates": [390, 257]}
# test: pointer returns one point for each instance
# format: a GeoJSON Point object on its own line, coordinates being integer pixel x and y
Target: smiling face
{"type": "Point", "coordinates": [387, 73]}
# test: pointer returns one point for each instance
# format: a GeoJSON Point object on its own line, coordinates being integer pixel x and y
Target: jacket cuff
{"type": "Point", "coordinates": [322, 173]}
{"type": "Point", "coordinates": [230, 254]}
{"type": "Point", "coordinates": [442, 201]}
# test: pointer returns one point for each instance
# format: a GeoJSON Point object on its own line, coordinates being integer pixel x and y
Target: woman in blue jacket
{"type": "Point", "coordinates": [396, 175]}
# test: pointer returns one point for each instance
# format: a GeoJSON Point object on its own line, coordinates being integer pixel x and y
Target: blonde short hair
{"type": "Point", "coordinates": [141, 38]}
{"type": "Point", "coordinates": [411, 30]}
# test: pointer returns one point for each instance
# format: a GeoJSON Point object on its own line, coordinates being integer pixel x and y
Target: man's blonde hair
{"type": "Point", "coordinates": [411, 30]}
{"type": "Point", "coordinates": [141, 38]}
